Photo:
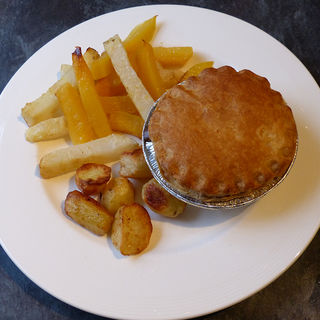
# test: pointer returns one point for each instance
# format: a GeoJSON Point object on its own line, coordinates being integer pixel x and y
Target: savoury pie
{"type": "Point", "coordinates": [223, 134]}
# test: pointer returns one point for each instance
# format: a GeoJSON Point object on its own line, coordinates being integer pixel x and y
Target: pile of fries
{"type": "Point", "coordinates": [101, 101]}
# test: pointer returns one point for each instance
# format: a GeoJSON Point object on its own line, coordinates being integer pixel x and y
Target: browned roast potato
{"type": "Point", "coordinates": [133, 165]}
{"type": "Point", "coordinates": [91, 178]}
{"type": "Point", "coordinates": [160, 201]}
{"type": "Point", "coordinates": [131, 229]}
{"type": "Point", "coordinates": [88, 212]}
{"type": "Point", "coordinates": [118, 192]}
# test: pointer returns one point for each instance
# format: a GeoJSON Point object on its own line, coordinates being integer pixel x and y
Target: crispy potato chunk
{"type": "Point", "coordinates": [88, 212]}
{"type": "Point", "coordinates": [91, 178]}
{"type": "Point", "coordinates": [134, 87]}
{"type": "Point", "coordinates": [103, 150]}
{"type": "Point", "coordinates": [133, 165]}
{"type": "Point", "coordinates": [118, 192]}
{"type": "Point", "coordinates": [160, 201]}
{"type": "Point", "coordinates": [131, 229]}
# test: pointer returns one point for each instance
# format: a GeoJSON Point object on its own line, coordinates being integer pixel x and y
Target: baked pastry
{"type": "Point", "coordinates": [223, 134]}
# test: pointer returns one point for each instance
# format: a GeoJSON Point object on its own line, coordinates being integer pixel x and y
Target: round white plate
{"type": "Point", "coordinates": [198, 263]}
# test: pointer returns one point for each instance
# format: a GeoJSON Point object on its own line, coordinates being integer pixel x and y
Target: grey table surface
{"type": "Point", "coordinates": [25, 26]}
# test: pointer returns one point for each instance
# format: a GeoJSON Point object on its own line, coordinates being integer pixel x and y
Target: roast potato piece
{"type": "Point", "coordinates": [118, 192]}
{"type": "Point", "coordinates": [88, 212]}
{"type": "Point", "coordinates": [131, 229]}
{"type": "Point", "coordinates": [161, 201]}
{"type": "Point", "coordinates": [133, 165]}
{"type": "Point", "coordinates": [91, 178]}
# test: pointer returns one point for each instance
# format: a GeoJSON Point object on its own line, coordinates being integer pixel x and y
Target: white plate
{"type": "Point", "coordinates": [196, 264]}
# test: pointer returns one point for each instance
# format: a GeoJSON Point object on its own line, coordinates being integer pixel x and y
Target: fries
{"type": "Point", "coordinates": [90, 99]}
{"type": "Point", "coordinates": [135, 89]}
{"type": "Point", "coordinates": [173, 57]}
{"type": "Point", "coordinates": [49, 129]}
{"type": "Point", "coordinates": [126, 123]}
{"type": "Point", "coordinates": [148, 71]}
{"type": "Point", "coordinates": [103, 150]}
{"type": "Point", "coordinates": [196, 69]}
{"type": "Point", "coordinates": [78, 124]}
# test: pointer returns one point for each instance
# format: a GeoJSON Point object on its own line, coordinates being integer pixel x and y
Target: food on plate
{"type": "Point", "coordinates": [89, 96]}
{"type": "Point", "coordinates": [131, 230]}
{"type": "Point", "coordinates": [118, 192]}
{"type": "Point", "coordinates": [90, 56]}
{"type": "Point", "coordinates": [118, 103]}
{"type": "Point", "coordinates": [88, 212]}
{"type": "Point", "coordinates": [173, 57]}
{"type": "Point", "coordinates": [160, 201]}
{"type": "Point", "coordinates": [79, 128]}
{"type": "Point", "coordinates": [135, 89]}
{"type": "Point", "coordinates": [47, 105]}
{"type": "Point", "coordinates": [98, 95]}
{"type": "Point", "coordinates": [196, 69]}
{"type": "Point", "coordinates": [133, 165]}
{"type": "Point", "coordinates": [43, 108]}
{"type": "Point", "coordinates": [223, 134]}
{"type": "Point", "coordinates": [126, 122]}
{"type": "Point", "coordinates": [110, 85]}
{"type": "Point", "coordinates": [91, 178]}
{"type": "Point", "coordinates": [49, 129]}
{"type": "Point", "coordinates": [142, 32]}
{"type": "Point", "coordinates": [148, 71]}
{"type": "Point", "coordinates": [103, 150]}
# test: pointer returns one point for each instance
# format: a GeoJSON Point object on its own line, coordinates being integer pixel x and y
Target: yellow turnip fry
{"type": "Point", "coordinates": [148, 71]}
{"type": "Point", "coordinates": [135, 89]}
{"type": "Point", "coordinates": [142, 32]}
{"type": "Point", "coordinates": [90, 55]}
{"type": "Point", "coordinates": [118, 103]}
{"type": "Point", "coordinates": [196, 69]}
{"type": "Point", "coordinates": [79, 127]}
{"type": "Point", "coordinates": [173, 57]}
{"type": "Point", "coordinates": [126, 122]}
{"type": "Point", "coordinates": [49, 129]}
{"type": "Point", "coordinates": [103, 150]}
{"type": "Point", "coordinates": [89, 96]}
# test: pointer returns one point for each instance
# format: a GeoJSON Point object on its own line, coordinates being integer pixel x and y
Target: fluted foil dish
{"type": "Point", "coordinates": [205, 202]}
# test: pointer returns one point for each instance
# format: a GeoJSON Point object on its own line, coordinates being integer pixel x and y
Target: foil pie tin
{"type": "Point", "coordinates": [212, 203]}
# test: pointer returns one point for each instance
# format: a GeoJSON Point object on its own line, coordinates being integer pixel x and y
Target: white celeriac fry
{"type": "Point", "coordinates": [135, 89]}
{"type": "Point", "coordinates": [47, 105]}
{"type": "Point", "coordinates": [103, 150]}
{"type": "Point", "coordinates": [53, 128]}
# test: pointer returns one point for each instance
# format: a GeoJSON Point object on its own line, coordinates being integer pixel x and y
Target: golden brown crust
{"type": "Point", "coordinates": [88, 212]}
{"type": "Point", "coordinates": [223, 133]}
{"type": "Point", "coordinates": [91, 178]}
